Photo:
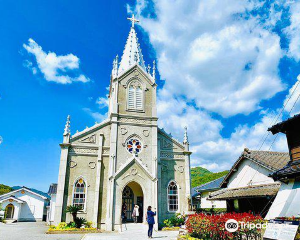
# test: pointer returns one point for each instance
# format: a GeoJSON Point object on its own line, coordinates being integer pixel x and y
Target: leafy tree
{"type": "Point", "coordinates": [4, 189]}
{"type": "Point", "coordinates": [73, 210]}
{"type": "Point", "coordinates": [201, 176]}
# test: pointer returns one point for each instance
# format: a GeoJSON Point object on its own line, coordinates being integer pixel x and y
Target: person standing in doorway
{"type": "Point", "coordinates": [135, 213]}
{"type": "Point", "coordinates": [150, 220]}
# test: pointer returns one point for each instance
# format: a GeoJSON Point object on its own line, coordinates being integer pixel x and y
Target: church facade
{"type": "Point", "coordinates": [127, 159]}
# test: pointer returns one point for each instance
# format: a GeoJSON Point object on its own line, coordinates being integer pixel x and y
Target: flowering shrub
{"type": "Point", "coordinates": [176, 220]}
{"type": "Point", "coordinates": [71, 226]}
{"type": "Point", "coordinates": [212, 227]}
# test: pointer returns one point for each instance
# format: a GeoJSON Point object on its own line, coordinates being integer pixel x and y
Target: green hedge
{"type": "Point", "coordinates": [211, 210]}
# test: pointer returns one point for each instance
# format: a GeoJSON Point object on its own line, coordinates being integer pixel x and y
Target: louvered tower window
{"type": "Point", "coordinates": [135, 96]}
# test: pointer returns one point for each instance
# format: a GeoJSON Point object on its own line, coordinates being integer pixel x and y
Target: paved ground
{"type": "Point", "coordinates": [32, 231]}
{"type": "Point", "coordinates": [133, 232]}
{"type": "Point", "coordinates": [36, 231]}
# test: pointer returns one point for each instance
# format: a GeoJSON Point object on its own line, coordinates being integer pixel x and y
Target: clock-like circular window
{"type": "Point", "coordinates": [134, 146]}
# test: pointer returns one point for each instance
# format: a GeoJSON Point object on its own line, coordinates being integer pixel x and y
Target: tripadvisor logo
{"type": "Point", "coordinates": [231, 225]}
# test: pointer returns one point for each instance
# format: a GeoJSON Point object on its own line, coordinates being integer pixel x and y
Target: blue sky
{"type": "Point", "coordinates": [225, 70]}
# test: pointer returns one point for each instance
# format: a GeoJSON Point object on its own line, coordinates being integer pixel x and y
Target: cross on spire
{"type": "Point", "coordinates": [133, 20]}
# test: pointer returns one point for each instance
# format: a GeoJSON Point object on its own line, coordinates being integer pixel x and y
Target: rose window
{"type": "Point", "coordinates": [134, 146]}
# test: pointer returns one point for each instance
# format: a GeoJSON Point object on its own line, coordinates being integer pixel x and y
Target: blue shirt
{"type": "Point", "coordinates": [150, 217]}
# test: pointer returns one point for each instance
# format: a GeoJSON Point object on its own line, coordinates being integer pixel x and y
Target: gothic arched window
{"type": "Point", "coordinates": [172, 197]}
{"type": "Point", "coordinates": [79, 195]}
{"type": "Point", "coordinates": [135, 96]}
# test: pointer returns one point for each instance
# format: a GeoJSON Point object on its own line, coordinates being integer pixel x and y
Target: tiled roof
{"type": "Point", "coordinates": [270, 160]}
{"type": "Point", "coordinates": [33, 190]}
{"type": "Point", "coordinates": [289, 171]}
{"type": "Point", "coordinates": [52, 189]}
{"type": "Point", "coordinates": [246, 192]}
{"type": "Point", "coordinates": [212, 185]}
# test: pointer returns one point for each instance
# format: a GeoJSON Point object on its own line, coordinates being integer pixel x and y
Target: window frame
{"type": "Point", "coordinates": [85, 193]}
{"type": "Point", "coordinates": [177, 195]}
{"type": "Point", "coordinates": [142, 98]}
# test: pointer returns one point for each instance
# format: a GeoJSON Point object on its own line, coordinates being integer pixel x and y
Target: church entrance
{"type": "Point", "coordinates": [132, 195]}
{"type": "Point", "coordinates": [9, 211]}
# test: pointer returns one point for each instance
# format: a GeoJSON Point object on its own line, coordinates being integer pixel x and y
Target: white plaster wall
{"type": "Point", "coordinates": [33, 208]}
{"type": "Point", "coordinates": [248, 171]}
{"type": "Point", "coordinates": [52, 208]}
{"type": "Point", "coordinates": [16, 206]}
{"type": "Point", "coordinates": [287, 201]}
{"type": "Point", "coordinates": [209, 204]}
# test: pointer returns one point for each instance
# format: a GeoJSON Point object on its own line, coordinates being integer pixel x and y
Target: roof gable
{"type": "Point", "coordinates": [11, 198]}
{"type": "Point", "coordinates": [30, 190]}
{"type": "Point", "coordinates": [271, 161]}
{"type": "Point", "coordinates": [168, 136]}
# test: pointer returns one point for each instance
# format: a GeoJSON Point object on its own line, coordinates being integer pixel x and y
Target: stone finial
{"type": "Point", "coordinates": [148, 69]}
{"type": "Point", "coordinates": [153, 70]}
{"type": "Point", "coordinates": [67, 127]}
{"type": "Point", "coordinates": [246, 150]}
{"type": "Point", "coordinates": [185, 138]}
{"type": "Point", "coordinates": [115, 67]}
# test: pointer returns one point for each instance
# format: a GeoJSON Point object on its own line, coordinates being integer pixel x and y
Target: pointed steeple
{"type": "Point", "coordinates": [132, 53]}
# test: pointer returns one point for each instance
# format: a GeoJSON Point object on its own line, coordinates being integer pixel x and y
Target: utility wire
{"type": "Point", "coordinates": [289, 115]}
{"type": "Point", "coordinates": [278, 115]}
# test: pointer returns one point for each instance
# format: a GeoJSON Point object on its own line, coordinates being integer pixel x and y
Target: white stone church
{"type": "Point", "coordinates": [126, 158]}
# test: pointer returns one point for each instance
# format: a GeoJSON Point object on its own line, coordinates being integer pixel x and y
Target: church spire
{"type": "Point", "coordinates": [132, 53]}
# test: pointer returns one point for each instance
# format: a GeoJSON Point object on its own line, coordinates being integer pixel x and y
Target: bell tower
{"type": "Point", "coordinates": [133, 117]}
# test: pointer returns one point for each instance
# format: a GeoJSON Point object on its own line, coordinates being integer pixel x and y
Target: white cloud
{"type": "Point", "coordinates": [1, 140]}
{"type": "Point", "coordinates": [208, 53]}
{"type": "Point", "coordinates": [98, 117]}
{"type": "Point", "coordinates": [102, 102]}
{"type": "Point", "coordinates": [293, 31]}
{"type": "Point", "coordinates": [216, 60]}
{"type": "Point", "coordinates": [61, 69]}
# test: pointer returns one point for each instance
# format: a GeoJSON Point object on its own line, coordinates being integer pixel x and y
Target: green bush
{"type": "Point", "coordinates": [71, 225]}
{"type": "Point", "coordinates": [211, 210]}
{"type": "Point", "coordinates": [176, 220]}
{"type": "Point", "coordinates": [79, 222]}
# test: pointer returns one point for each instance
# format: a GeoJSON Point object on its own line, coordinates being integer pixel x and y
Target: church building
{"type": "Point", "coordinates": [127, 158]}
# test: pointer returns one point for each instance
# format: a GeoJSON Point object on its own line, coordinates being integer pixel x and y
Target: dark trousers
{"type": "Point", "coordinates": [135, 219]}
{"type": "Point", "coordinates": [150, 230]}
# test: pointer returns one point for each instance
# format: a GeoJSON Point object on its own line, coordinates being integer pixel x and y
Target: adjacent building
{"type": "Point", "coordinates": [51, 207]}
{"type": "Point", "coordinates": [202, 192]}
{"type": "Point", "coordinates": [287, 201]}
{"type": "Point", "coordinates": [248, 185]}
{"type": "Point", "coordinates": [25, 204]}
{"type": "Point", "coordinates": [126, 159]}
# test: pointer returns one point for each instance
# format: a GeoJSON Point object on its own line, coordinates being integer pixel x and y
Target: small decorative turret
{"type": "Point", "coordinates": [148, 69]}
{"type": "Point", "coordinates": [153, 70]}
{"type": "Point", "coordinates": [115, 67]}
{"type": "Point", "coordinates": [67, 131]}
{"type": "Point", "coordinates": [186, 139]}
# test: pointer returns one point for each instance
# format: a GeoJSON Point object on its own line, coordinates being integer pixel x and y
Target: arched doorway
{"type": "Point", "coordinates": [132, 194]}
{"type": "Point", "coordinates": [9, 211]}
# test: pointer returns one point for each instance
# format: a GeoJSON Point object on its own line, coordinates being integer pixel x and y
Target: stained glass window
{"type": "Point", "coordinates": [134, 146]}
{"type": "Point", "coordinates": [79, 195]}
{"type": "Point", "coordinates": [172, 197]}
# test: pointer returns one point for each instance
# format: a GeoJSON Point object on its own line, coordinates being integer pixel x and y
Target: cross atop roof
{"type": "Point", "coordinates": [133, 20]}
